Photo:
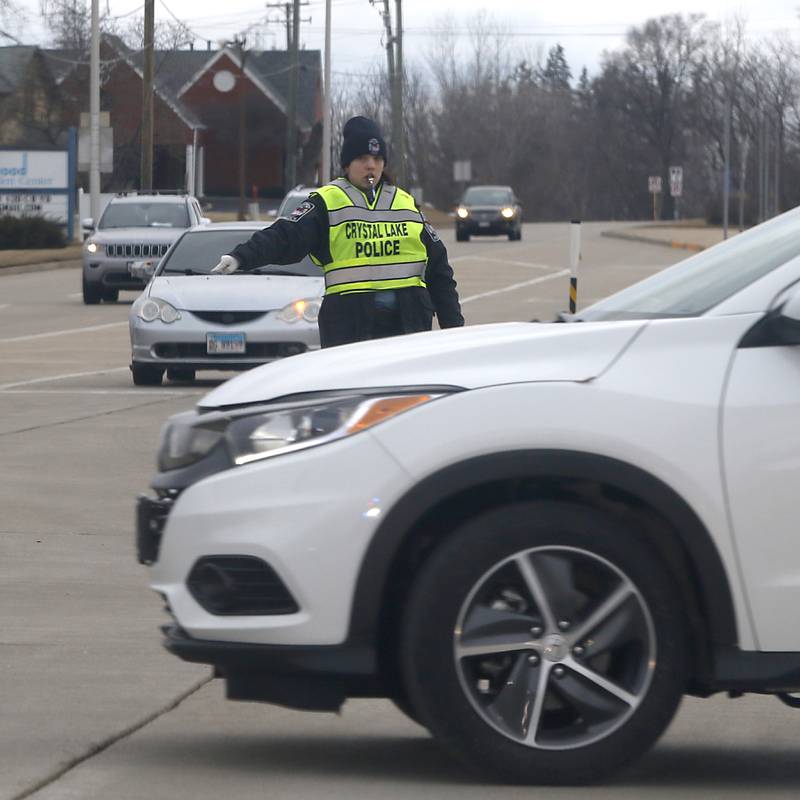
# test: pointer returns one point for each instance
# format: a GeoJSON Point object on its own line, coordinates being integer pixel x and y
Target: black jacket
{"type": "Point", "coordinates": [356, 316]}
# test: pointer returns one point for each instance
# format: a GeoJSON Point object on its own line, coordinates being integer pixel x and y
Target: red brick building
{"type": "Point", "coordinates": [197, 102]}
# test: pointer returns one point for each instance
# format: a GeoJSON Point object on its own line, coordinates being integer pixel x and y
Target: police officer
{"type": "Point", "coordinates": [386, 270]}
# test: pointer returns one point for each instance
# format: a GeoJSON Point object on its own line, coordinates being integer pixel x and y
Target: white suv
{"type": "Point", "coordinates": [534, 538]}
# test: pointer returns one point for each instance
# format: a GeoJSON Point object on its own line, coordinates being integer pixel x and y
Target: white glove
{"type": "Point", "coordinates": [227, 264]}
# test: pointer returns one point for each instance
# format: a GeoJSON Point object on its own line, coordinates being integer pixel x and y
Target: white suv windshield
{"type": "Point", "coordinates": [145, 215]}
{"type": "Point", "coordinates": [701, 282]}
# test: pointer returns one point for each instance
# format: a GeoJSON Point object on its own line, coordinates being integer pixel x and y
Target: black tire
{"type": "Point", "coordinates": [146, 375]}
{"type": "Point", "coordinates": [544, 707]}
{"type": "Point", "coordinates": [110, 295]}
{"type": "Point", "coordinates": [402, 704]}
{"type": "Point", "coordinates": [92, 292]}
{"type": "Point", "coordinates": [461, 236]}
{"type": "Point", "coordinates": [180, 374]}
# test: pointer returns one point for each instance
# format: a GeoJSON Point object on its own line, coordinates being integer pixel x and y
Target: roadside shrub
{"type": "Point", "coordinates": [23, 233]}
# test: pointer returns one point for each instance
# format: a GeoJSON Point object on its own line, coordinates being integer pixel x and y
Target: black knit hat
{"type": "Point", "coordinates": [361, 136]}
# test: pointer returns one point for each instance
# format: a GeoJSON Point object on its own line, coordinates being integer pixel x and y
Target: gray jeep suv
{"type": "Point", "coordinates": [132, 227]}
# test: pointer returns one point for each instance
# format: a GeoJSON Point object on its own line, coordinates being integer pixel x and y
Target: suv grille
{"type": "Point", "coordinates": [138, 250]}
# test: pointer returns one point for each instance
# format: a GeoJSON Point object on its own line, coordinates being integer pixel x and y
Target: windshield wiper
{"type": "Point", "coordinates": [271, 271]}
{"type": "Point", "coordinates": [184, 272]}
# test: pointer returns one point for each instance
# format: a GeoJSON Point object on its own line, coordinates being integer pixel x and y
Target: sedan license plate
{"type": "Point", "coordinates": [225, 343]}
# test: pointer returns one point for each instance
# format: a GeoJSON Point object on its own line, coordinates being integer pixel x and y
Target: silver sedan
{"type": "Point", "coordinates": [187, 319]}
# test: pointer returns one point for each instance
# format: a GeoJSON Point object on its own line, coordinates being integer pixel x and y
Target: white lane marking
{"type": "Point", "coordinates": [4, 386]}
{"type": "Point", "coordinates": [4, 305]}
{"type": "Point", "coordinates": [159, 392]}
{"type": "Point", "coordinates": [513, 286]}
{"type": "Point", "coordinates": [66, 332]}
{"type": "Point", "coordinates": [532, 264]}
{"type": "Point", "coordinates": [75, 295]}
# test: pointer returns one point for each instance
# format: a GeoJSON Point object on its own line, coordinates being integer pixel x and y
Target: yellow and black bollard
{"type": "Point", "coordinates": [574, 259]}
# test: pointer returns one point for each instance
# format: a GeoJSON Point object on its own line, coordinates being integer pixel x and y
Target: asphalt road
{"type": "Point", "coordinates": [91, 707]}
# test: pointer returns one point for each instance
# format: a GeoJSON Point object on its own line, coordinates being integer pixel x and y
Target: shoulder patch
{"type": "Point", "coordinates": [432, 232]}
{"type": "Point", "coordinates": [301, 211]}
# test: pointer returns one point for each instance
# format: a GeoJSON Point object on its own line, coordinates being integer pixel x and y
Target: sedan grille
{"type": "Point", "coordinates": [137, 250]}
{"type": "Point", "coordinates": [228, 317]}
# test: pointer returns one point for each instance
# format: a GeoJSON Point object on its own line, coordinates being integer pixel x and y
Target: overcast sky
{"type": "Point", "coordinates": [585, 28]}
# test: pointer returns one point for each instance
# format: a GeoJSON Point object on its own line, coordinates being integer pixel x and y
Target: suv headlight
{"type": "Point", "coordinates": [307, 309]}
{"type": "Point", "coordinates": [462, 212]}
{"type": "Point", "coordinates": [507, 213]}
{"type": "Point", "coordinates": [251, 435]}
{"type": "Point", "coordinates": [154, 308]}
{"type": "Point", "coordinates": [93, 247]}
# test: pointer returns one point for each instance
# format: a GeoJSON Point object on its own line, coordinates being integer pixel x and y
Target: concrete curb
{"type": "Point", "coordinates": [632, 237]}
{"type": "Point", "coordinates": [17, 269]}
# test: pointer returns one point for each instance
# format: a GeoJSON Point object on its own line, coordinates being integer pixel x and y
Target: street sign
{"type": "Point", "coordinates": [654, 184]}
{"type": "Point", "coordinates": [676, 181]}
{"type": "Point", "coordinates": [462, 171]}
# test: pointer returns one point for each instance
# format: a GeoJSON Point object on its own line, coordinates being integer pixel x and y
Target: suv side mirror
{"type": "Point", "coordinates": [786, 320]}
{"type": "Point", "coordinates": [87, 222]}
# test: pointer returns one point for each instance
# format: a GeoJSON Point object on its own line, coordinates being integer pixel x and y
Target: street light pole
{"type": "Point", "coordinates": [94, 114]}
{"type": "Point", "coordinates": [325, 176]}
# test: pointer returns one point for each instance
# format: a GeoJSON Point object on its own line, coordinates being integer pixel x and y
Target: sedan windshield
{"type": "Point", "coordinates": [196, 252]}
{"type": "Point", "coordinates": [145, 215]}
{"type": "Point", "coordinates": [701, 282]}
{"type": "Point", "coordinates": [487, 196]}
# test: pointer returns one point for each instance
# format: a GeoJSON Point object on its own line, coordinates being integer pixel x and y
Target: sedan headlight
{"type": "Point", "coordinates": [307, 309]}
{"type": "Point", "coordinates": [462, 212]}
{"type": "Point", "coordinates": [507, 212]}
{"type": "Point", "coordinates": [154, 308]}
{"type": "Point", "coordinates": [252, 435]}
{"type": "Point", "coordinates": [92, 247]}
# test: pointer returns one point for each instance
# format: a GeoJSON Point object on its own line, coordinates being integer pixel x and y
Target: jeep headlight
{"type": "Point", "coordinates": [92, 247]}
{"type": "Point", "coordinates": [154, 308]}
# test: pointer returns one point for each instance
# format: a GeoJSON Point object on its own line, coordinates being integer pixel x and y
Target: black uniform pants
{"type": "Point", "coordinates": [358, 316]}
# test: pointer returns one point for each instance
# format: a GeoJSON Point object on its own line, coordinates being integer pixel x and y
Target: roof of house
{"type": "Point", "coordinates": [175, 70]}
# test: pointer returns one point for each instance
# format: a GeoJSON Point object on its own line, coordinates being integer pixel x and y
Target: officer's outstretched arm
{"type": "Point", "coordinates": [440, 281]}
{"type": "Point", "coordinates": [286, 241]}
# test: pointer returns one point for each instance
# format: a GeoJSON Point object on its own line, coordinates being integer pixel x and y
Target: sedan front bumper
{"type": "Point", "coordinates": [185, 343]}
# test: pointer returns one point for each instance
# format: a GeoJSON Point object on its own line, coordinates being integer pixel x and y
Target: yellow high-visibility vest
{"type": "Point", "coordinates": [373, 246]}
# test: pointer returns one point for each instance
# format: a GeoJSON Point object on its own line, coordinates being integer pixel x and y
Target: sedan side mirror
{"type": "Point", "coordinates": [205, 220]}
{"type": "Point", "coordinates": [87, 222]}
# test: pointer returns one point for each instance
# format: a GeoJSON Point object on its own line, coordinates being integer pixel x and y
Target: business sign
{"type": "Point", "coordinates": [52, 206]}
{"type": "Point", "coordinates": [35, 170]}
{"type": "Point", "coordinates": [654, 184]}
{"type": "Point", "coordinates": [676, 181]}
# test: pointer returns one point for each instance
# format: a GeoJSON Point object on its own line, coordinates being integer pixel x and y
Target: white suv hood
{"type": "Point", "coordinates": [471, 357]}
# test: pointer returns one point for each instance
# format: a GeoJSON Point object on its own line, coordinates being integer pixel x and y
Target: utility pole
{"type": "Point", "coordinates": [325, 174]}
{"type": "Point", "coordinates": [291, 117]}
{"type": "Point", "coordinates": [726, 172]}
{"type": "Point", "coordinates": [390, 64]}
{"type": "Point", "coordinates": [94, 114]}
{"type": "Point", "coordinates": [146, 180]}
{"type": "Point", "coordinates": [397, 113]}
{"type": "Point", "coordinates": [240, 42]}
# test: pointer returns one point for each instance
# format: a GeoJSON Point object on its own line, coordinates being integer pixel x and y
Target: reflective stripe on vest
{"type": "Point", "coordinates": [372, 247]}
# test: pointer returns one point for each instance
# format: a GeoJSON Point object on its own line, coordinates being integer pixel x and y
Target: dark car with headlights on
{"type": "Point", "coordinates": [188, 319]}
{"type": "Point", "coordinates": [489, 211]}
